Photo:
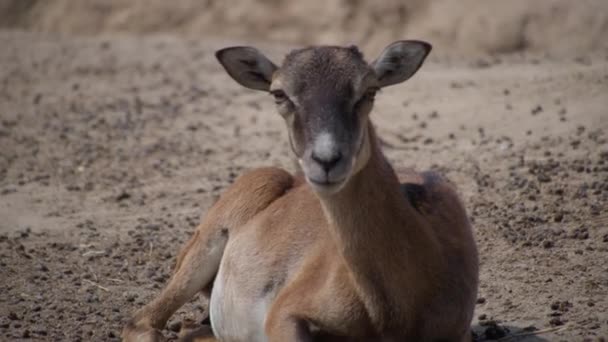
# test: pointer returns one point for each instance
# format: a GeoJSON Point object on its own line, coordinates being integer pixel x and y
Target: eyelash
{"type": "Point", "coordinates": [279, 96]}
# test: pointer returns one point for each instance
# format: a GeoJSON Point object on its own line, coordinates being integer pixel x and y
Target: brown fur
{"type": "Point", "coordinates": [378, 260]}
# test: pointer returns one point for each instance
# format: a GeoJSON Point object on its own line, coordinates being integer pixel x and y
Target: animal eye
{"type": "Point", "coordinates": [279, 96]}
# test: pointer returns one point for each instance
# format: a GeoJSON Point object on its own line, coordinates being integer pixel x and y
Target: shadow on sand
{"type": "Point", "coordinates": [497, 332]}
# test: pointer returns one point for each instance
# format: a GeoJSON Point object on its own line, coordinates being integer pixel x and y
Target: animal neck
{"type": "Point", "coordinates": [380, 236]}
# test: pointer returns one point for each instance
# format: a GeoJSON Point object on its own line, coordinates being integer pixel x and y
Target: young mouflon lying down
{"type": "Point", "coordinates": [345, 251]}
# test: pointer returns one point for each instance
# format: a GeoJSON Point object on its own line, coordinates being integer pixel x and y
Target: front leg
{"type": "Point", "coordinates": [197, 334]}
{"type": "Point", "coordinates": [319, 304]}
{"type": "Point", "coordinates": [288, 317]}
{"type": "Point", "coordinates": [295, 328]}
{"type": "Point", "coordinates": [196, 266]}
{"type": "Point", "coordinates": [288, 328]}
{"type": "Point", "coordinates": [199, 260]}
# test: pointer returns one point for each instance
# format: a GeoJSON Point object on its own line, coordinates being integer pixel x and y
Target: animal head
{"type": "Point", "coordinates": [325, 95]}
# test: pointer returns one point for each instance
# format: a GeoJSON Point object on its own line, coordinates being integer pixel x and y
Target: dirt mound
{"type": "Point", "coordinates": [561, 27]}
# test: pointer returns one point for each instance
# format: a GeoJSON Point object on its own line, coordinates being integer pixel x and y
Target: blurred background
{"type": "Point", "coordinates": [557, 27]}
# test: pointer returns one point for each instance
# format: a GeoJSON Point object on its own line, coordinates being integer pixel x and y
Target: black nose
{"type": "Point", "coordinates": [329, 162]}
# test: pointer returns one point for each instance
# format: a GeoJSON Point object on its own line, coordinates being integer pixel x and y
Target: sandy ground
{"type": "Point", "coordinates": [113, 147]}
{"type": "Point", "coordinates": [556, 27]}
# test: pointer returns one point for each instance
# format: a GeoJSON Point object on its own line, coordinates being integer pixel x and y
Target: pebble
{"type": "Point", "coordinates": [537, 110]}
{"type": "Point", "coordinates": [556, 321]}
{"type": "Point", "coordinates": [175, 326]}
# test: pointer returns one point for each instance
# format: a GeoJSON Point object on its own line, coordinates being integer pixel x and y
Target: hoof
{"type": "Point", "coordinates": [191, 332]}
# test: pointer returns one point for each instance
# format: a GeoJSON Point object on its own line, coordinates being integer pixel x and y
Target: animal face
{"type": "Point", "coordinates": [325, 95]}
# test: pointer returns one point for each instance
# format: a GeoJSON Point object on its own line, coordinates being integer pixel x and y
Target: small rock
{"type": "Point", "coordinates": [456, 85]}
{"type": "Point", "coordinates": [123, 196]}
{"type": "Point", "coordinates": [494, 332]}
{"type": "Point", "coordinates": [547, 244]}
{"type": "Point", "coordinates": [153, 226]}
{"type": "Point", "coordinates": [130, 297]}
{"type": "Point", "coordinates": [37, 99]}
{"type": "Point", "coordinates": [482, 63]}
{"type": "Point", "coordinates": [562, 306]}
{"type": "Point", "coordinates": [536, 110]}
{"type": "Point", "coordinates": [579, 234]}
{"type": "Point", "coordinates": [8, 191]}
{"type": "Point", "coordinates": [40, 331]}
{"type": "Point", "coordinates": [543, 178]}
{"type": "Point", "coordinates": [559, 217]}
{"type": "Point", "coordinates": [175, 326]}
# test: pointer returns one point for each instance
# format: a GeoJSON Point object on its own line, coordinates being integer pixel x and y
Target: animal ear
{"type": "Point", "coordinates": [400, 61]}
{"type": "Point", "coordinates": [248, 66]}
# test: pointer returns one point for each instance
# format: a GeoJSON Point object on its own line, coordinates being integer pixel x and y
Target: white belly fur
{"type": "Point", "coordinates": [236, 315]}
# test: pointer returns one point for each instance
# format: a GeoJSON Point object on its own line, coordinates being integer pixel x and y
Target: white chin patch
{"type": "Point", "coordinates": [323, 189]}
